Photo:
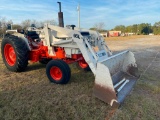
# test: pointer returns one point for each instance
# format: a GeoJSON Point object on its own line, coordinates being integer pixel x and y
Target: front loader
{"type": "Point", "coordinates": [115, 75]}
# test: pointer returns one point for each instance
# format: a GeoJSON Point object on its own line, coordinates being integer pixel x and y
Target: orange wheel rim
{"type": "Point", "coordinates": [10, 54]}
{"type": "Point", "coordinates": [56, 73]}
{"type": "Point", "coordinates": [83, 64]}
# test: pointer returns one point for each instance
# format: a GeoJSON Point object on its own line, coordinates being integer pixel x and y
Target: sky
{"type": "Point", "coordinates": [110, 12]}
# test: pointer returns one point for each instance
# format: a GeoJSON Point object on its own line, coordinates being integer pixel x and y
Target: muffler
{"type": "Point", "coordinates": [60, 16]}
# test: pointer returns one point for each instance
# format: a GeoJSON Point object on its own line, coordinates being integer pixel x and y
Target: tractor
{"type": "Point", "coordinates": [58, 46]}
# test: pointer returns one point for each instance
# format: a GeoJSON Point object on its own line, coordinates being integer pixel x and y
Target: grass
{"type": "Point", "coordinates": [30, 96]}
{"type": "Point", "coordinates": [139, 107]}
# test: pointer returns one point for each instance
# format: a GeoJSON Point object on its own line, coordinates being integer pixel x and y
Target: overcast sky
{"type": "Point", "coordinates": [111, 12]}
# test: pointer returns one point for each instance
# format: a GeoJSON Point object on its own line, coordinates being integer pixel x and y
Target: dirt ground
{"type": "Point", "coordinates": [29, 95]}
{"type": "Point", "coordinates": [143, 103]}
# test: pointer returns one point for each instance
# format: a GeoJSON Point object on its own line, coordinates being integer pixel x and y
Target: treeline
{"type": "Point", "coordinates": [139, 29]}
{"type": "Point", "coordinates": [23, 25]}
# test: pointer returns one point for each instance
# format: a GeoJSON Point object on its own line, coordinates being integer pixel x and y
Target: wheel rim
{"type": "Point", "coordinates": [83, 64]}
{"type": "Point", "coordinates": [56, 73]}
{"type": "Point", "coordinates": [10, 54]}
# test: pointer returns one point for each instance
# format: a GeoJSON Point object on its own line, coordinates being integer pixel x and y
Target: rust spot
{"type": "Point", "coordinates": [104, 94]}
{"type": "Point", "coordinates": [133, 71]}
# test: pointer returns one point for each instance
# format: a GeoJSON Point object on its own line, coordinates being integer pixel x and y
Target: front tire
{"type": "Point", "coordinates": [14, 53]}
{"type": "Point", "coordinates": [83, 65]}
{"type": "Point", "coordinates": [58, 72]}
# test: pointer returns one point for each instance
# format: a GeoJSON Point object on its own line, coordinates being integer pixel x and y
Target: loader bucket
{"type": "Point", "coordinates": [115, 78]}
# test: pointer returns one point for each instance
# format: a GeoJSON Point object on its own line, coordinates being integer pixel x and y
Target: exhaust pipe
{"type": "Point", "coordinates": [60, 16]}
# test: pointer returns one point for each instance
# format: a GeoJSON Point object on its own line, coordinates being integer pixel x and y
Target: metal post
{"type": "Point", "coordinates": [78, 9]}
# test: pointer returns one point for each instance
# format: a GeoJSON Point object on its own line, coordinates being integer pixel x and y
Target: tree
{"type": "Point", "coordinates": [156, 28]}
{"type": "Point", "coordinates": [128, 29]}
{"type": "Point", "coordinates": [52, 22]}
{"type": "Point", "coordinates": [26, 23]}
{"type": "Point", "coordinates": [120, 28]}
{"type": "Point", "coordinates": [99, 26]}
{"type": "Point", "coordinates": [16, 26]}
{"type": "Point", "coordinates": [143, 28]}
{"type": "Point", "coordinates": [157, 24]}
{"type": "Point", "coordinates": [135, 28]}
{"type": "Point", "coordinates": [3, 25]}
{"type": "Point", "coordinates": [38, 24]}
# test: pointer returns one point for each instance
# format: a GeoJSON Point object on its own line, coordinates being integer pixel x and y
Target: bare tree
{"type": "Point", "coordinates": [38, 24]}
{"type": "Point", "coordinates": [26, 23]}
{"type": "Point", "coordinates": [99, 26]}
{"type": "Point", "coordinates": [3, 25]}
{"type": "Point", "coordinates": [52, 22]}
{"type": "Point", "coordinates": [0, 23]}
{"type": "Point", "coordinates": [9, 22]}
{"type": "Point", "coordinates": [16, 26]}
{"type": "Point", "coordinates": [3, 22]}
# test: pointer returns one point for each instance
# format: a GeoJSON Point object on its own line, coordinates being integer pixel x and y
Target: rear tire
{"type": "Point", "coordinates": [58, 72]}
{"type": "Point", "coordinates": [14, 53]}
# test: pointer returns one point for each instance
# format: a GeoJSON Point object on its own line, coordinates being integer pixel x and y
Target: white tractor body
{"type": "Point", "coordinates": [115, 75]}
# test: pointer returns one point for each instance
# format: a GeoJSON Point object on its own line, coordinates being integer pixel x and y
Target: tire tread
{"type": "Point", "coordinates": [21, 52]}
